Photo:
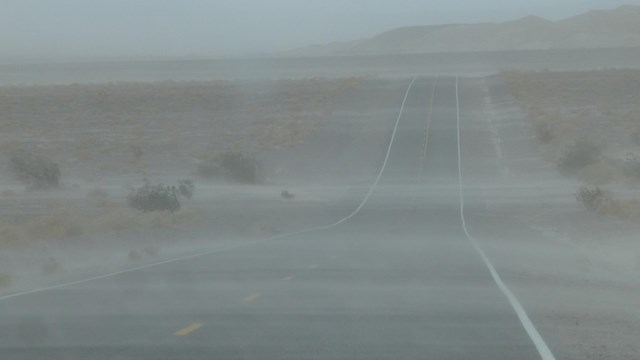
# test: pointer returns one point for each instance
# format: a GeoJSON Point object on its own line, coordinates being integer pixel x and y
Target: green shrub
{"type": "Point", "coordinates": [34, 170]}
{"type": "Point", "coordinates": [159, 197]}
{"type": "Point", "coordinates": [578, 156]}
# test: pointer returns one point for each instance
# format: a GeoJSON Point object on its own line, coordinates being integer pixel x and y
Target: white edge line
{"type": "Point", "coordinates": [538, 341]}
{"type": "Point", "coordinates": [245, 244]}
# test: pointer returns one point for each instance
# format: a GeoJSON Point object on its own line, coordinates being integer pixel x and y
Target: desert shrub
{"type": "Point", "coordinates": [186, 188]}
{"type": "Point", "coordinates": [36, 171]}
{"type": "Point", "coordinates": [231, 165]}
{"type": "Point", "coordinates": [151, 197]}
{"type": "Point", "coordinates": [632, 165]}
{"type": "Point", "coordinates": [593, 199]}
{"type": "Point", "coordinates": [578, 156]}
{"type": "Point", "coordinates": [159, 197]}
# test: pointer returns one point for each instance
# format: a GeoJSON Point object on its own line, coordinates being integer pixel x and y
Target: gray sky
{"type": "Point", "coordinates": [68, 29]}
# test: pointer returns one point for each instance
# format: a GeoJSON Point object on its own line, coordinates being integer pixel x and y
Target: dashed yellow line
{"type": "Point", "coordinates": [429, 117]}
{"type": "Point", "coordinates": [288, 278]}
{"type": "Point", "coordinates": [189, 329]}
{"type": "Point", "coordinates": [252, 297]}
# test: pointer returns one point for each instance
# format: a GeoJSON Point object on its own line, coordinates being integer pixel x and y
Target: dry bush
{"type": "Point", "coordinates": [600, 173]}
{"type": "Point", "coordinates": [593, 199]}
{"type": "Point", "coordinates": [157, 197]}
{"type": "Point", "coordinates": [36, 171]}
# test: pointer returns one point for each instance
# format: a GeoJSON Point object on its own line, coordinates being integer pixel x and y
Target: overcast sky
{"type": "Point", "coordinates": [71, 29]}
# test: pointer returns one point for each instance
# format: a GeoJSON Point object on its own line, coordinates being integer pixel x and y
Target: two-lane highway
{"type": "Point", "coordinates": [400, 279]}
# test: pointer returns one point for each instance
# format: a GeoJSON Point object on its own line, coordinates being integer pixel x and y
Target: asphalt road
{"type": "Point", "coordinates": [398, 280]}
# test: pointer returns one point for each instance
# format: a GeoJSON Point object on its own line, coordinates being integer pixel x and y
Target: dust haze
{"type": "Point", "coordinates": [237, 179]}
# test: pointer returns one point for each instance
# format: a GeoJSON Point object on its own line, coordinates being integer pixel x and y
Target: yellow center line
{"type": "Point", "coordinates": [429, 117]}
{"type": "Point", "coordinates": [252, 297]}
{"type": "Point", "coordinates": [288, 278]}
{"type": "Point", "coordinates": [189, 329]}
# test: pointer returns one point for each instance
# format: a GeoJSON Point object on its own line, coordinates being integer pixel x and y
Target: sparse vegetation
{"type": "Point", "coordinates": [36, 171]}
{"type": "Point", "coordinates": [568, 107]}
{"type": "Point", "coordinates": [164, 122]}
{"type": "Point", "coordinates": [600, 105]}
{"type": "Point", "coordinates": [159, 197]}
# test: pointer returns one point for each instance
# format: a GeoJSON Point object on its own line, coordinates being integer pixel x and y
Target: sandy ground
{"type": "Point", "coordinates": [350, 124]}
{"type": "Point", "coordinates": [574, 270]}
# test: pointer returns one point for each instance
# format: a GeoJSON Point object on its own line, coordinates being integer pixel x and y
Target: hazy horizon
{"type": "Point", "coordinates": [77, 30]}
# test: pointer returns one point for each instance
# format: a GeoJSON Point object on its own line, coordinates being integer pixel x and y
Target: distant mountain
{"type": "Point", "coordinates": [619, 27]}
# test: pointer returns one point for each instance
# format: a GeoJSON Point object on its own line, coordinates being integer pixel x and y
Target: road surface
{"type": "Point", "coordinates": [397, 279]}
